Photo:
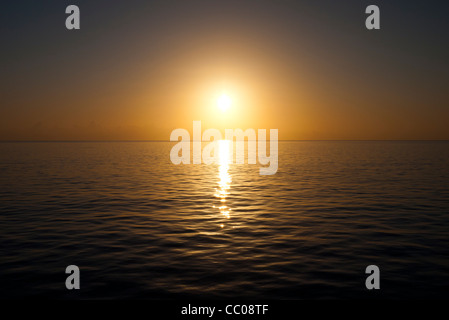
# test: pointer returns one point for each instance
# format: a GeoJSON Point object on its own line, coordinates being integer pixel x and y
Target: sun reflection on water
{"type": "Point", "coordinates": [224, 178]}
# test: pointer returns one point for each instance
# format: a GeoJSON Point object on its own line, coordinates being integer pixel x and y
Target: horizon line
{"type": "Point", "coordinates": [295, 140]}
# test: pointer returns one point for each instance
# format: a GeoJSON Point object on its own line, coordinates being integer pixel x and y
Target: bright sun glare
{"type": "Point", "coordinates": [224, 102]}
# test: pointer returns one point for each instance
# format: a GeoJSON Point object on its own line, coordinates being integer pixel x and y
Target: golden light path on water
{"type": "Point", "coordinates": [224, 178]}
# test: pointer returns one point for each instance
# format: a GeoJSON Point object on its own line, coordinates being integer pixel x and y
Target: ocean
{"type": "Point", "coordinates": [138, 226]}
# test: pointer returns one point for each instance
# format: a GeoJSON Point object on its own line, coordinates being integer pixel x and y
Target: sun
{"type": "Point", "coordinates": [224, 102]}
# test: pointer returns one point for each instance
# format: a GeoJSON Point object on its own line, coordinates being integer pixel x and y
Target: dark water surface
{"type": "Point", "coordinates": [140, 227]}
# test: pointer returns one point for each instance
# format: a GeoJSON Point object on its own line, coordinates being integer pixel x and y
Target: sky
{"type": "Point", "coordinates": [136, 70]}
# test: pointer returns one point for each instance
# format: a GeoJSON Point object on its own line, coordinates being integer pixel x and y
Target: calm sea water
{"type": "Point", "coordinates": [140, 227]}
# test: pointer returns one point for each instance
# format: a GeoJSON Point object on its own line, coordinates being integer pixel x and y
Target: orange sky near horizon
{"type": "Point", "coordinates": [119, 79]}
